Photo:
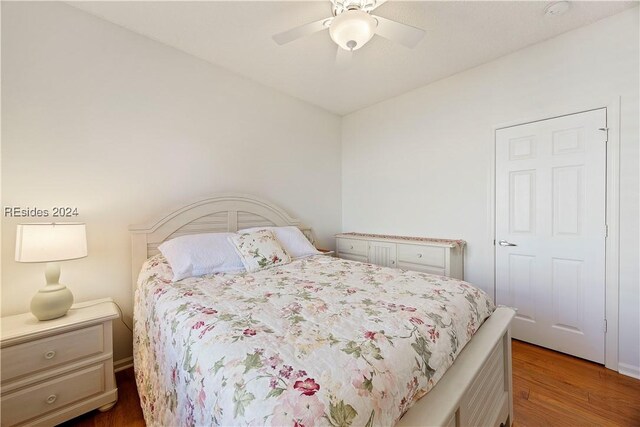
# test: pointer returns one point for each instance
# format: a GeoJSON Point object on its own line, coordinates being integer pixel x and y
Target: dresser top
{"type": "Point", "coordinates": [24, 327]}
{"type": "Point", "coordinates": [428, 240]}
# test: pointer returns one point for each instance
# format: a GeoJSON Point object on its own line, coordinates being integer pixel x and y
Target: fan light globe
{"type": "Point", "coordinates": [352, 29]}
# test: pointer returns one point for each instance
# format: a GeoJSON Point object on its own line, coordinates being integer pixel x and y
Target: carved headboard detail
{"type": "Point", "coordinates": [225, 212]}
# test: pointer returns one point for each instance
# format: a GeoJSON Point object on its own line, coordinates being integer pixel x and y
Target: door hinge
{"type": "Point", "coordinates": [604, 326]}
{"type": "Point", "coordinates": [606, 230]}
{"type": "Point", "coordinates": [607, 131]}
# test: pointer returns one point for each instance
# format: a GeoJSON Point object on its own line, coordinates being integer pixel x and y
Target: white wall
{"type": "Point", "coordinates": [420, 164]}
{"type": "Point", "coordinates": [121, 127]}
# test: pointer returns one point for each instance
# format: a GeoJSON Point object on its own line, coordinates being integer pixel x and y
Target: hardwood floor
{"type": "Point", "coordinates": [553, 389]}
{"type": "Point", "coordinates": [549, 389]}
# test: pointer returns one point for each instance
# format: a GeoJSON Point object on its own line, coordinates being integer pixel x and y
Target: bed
{"type": "Point", "coordinates": [318, 341]}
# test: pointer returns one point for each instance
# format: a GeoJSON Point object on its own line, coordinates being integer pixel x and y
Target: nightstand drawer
{"type": "Point", "coordinates": [352, 246]}
{"type": "Point", "coordinates": [421, 255]}
{"type": "Point", "coordinates": [44, 397]}
{"type": "Point", "coordinates": [31, 357]}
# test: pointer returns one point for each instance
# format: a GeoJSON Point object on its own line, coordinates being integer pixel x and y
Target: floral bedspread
{"type": "Point", "coordinates": [319, 341]}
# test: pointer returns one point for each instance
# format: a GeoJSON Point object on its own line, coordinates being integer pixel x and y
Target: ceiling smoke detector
{"type": "Point", "coordinates": [557, 8]}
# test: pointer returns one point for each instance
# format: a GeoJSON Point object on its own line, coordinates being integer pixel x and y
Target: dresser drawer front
{"type": "Point", "coordinates": [422, 255]}
{"type": "Point", "coordinates": [422, 268]}
{"type": "Point", "coordinates": [49, 352]}
{"type": "Point", "coordinates": [353, 246]}
{"type": "Point", "coordinates": [351, 257]}
{"type": "Point", "coordinates": [41, 398]}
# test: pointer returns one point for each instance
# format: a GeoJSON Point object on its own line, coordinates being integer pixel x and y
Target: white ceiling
{"type": "Point", "coordinates": [236, 35]}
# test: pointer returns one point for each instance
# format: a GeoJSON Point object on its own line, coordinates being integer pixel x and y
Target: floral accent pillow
{"type": "Point", "coordinates": [259, 250]}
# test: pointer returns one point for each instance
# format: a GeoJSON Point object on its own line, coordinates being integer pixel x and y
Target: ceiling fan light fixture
{"type": "Point", "coordinates": [352, 29]}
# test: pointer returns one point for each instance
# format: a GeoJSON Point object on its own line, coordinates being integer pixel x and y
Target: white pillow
{"type": "Point", "coordinates": [292, 240]}
{"type": "Point", "coordinates": [199, 254]}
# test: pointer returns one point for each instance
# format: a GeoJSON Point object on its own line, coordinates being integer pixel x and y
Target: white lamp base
{"type": "Point", "coordinates": [55, 299]}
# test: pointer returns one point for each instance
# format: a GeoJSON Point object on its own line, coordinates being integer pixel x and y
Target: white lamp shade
{"type": "Point", "coordinates": [49, 242]}
{"type": "Point", "coordinates": [352, 29]}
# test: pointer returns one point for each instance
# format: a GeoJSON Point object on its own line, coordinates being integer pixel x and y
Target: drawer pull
{"type": "Point", "coordinates": [51, 399]}
{"type": "Point", "coordinates": [351, 247]}
{"type": "Point", "coordinates": [50, 354]}
{"type": "Point", "coordinates": [419, 255]}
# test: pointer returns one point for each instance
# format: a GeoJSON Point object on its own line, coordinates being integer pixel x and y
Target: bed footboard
{"type": "Point", "coordinates": [477, 388]}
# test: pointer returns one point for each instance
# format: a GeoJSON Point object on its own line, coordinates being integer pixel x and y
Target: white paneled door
{"type": "Point", "coordinates": [551, 230]}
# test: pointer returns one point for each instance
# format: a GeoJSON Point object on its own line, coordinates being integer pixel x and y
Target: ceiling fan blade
{"type": "Point", "coordinates": [378, 4]}
{"type": "Point", "coordinates": [398, 32]}
{"type": "Point", "coordinates": [343, 57]}
{"type": "Point", "coordinates": [301, 31]}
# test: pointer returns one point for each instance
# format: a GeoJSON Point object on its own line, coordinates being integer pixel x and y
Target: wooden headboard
{"type": "Point", "coordinates": [221, 213]}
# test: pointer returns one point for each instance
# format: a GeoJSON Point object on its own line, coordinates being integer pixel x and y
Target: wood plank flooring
{"type": "Point", "coordinates": [549, 389]}
{"type": "Point", "coordinates": [553, 389]}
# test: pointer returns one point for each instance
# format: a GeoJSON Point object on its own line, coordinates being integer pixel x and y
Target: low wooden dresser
{"type": "Point", "coordinates": [444, 257]}
{"type": "Point", "coordinates": [55, 370]}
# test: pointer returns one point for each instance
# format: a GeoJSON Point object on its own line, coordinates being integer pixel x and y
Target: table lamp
{"type": "Point", "coordinates": [51, 242]}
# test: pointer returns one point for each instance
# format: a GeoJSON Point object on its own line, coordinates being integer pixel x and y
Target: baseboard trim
{"type": "Point", "coordinates": [629, 370]}
{"type": "Point", "coordinates": [122, 364]}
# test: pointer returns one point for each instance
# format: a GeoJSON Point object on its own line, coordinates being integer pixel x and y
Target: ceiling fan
{"type": "Point", "coordinates": [352, 26]}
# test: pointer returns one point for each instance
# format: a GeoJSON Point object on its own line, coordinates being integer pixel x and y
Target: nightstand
{"type": "Point", "coordinates": [55, 370]}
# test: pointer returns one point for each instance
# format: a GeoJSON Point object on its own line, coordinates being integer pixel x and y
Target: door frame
{"type": "Point", "coordinates": [612, 212]}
